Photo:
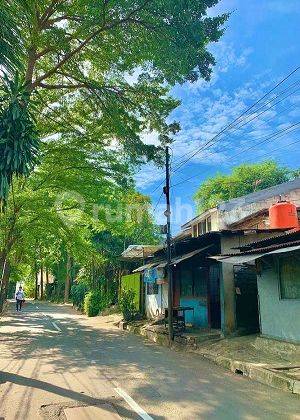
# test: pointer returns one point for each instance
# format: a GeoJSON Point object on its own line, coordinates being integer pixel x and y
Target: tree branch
{"type": "Point", "coordinates": [61, 86]}
{"type": "Point", "coordinates": [69, 55]}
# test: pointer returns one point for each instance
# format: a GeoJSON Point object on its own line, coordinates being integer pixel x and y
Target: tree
{"type": "Point", "coordinates": [242, 180]}
{"type": "Point", "coordinates": [78, 191]}
{"type": "Point", "coordinates": [91, 49]}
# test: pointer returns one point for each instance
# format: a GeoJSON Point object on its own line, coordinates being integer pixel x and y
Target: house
{"type": "Point", "coordinates": [247, 212]}
{"type": "Point", "coordinates": [132, 257]}
{"type": "Point", "coordinates": [208, 288]}
{"type": "Point", "coordinates": [200, 283]}
{"type": "Point", "coordinates": [276, 263]}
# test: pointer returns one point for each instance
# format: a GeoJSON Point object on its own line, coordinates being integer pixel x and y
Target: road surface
{"type": "Point", "coordinates": [54, 360]}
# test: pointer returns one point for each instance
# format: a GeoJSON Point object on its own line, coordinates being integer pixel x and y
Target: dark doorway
{"type": "Point", "coordinates": [214, 305]}
{"type": "Point", "coordinates": [246, 302]}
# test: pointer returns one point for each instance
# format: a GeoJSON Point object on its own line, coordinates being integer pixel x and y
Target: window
{"type": "Point", "coordinates": [152, 289]}
{"type": "Point", "coordinates": [186, 283]}
{"type": "Point", "coordinates": [202, 227]}
{"type": "Point", "coordinates": [289, 277]}
{"type": "Point", "coordinates": [195, 231]}
{"type": "Point", "coordinates": [200, 282]}
{"type": "Point", "coordinates": [208, 221]}
{"type": "Point", "coordinates": [193, 283]}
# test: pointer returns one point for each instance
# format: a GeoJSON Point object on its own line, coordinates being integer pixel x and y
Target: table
{"type": "Point", "coordinates": [178, 316]}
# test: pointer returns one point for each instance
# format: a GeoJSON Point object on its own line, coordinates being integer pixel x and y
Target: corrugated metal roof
{"type": "Point", "coordinates": [246, 258]}
{"type": "Point", "coordinates": [177, 260]}
{"type": "Point", "coordinates": [139, 251]}
{"type": "Point", "coordinates": [288, 234]}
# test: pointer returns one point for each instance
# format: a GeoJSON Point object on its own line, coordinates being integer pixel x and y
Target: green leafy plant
{"type": "Point", "coordinates": [19, 143]}
{"type": "Point", "coordinates": [127, 305]}
{"type": "Point", "coordinates": [78, 293]}
{"type": "Point", "coordinates": [91, 303]}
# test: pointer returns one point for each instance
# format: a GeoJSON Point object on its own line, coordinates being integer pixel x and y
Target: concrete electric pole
{"type": "Point", "coordinates": [169, 254]}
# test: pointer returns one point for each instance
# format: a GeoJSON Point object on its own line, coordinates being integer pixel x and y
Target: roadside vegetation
{"type": "Point", "coordinates": [77, 95]}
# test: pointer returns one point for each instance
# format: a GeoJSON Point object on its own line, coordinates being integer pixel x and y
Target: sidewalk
{"type": "Point", "coordinates": [265, 360]}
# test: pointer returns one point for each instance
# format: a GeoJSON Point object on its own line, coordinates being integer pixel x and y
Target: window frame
{"type": "Point", "coordinates": [279, 278]}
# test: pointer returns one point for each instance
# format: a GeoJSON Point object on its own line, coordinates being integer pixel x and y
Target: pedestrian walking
{"type": "Point", "coordinates": [19, 299]}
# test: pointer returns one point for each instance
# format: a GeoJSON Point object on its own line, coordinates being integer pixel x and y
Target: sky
{"type": "Point", "coordinates": [260, 47]}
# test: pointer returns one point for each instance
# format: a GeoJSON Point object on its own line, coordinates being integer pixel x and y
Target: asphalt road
{"type": "Point", "coordinates": [52, 358]}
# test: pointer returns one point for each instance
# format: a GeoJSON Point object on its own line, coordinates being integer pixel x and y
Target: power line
{"type": "Point", "coordinates": [276, 134]}
{"type": "Point", "coordinates": [235, 121]}
{"type": "Point", "coordinates": [211, 142]}
{"type": "Point", "coordinates": [251, 107]}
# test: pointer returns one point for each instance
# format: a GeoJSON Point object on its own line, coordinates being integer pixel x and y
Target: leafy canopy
{"type": "Point", "coordinates": [242, 180]}
{"type": "Point", "coordinates": [116, 59]}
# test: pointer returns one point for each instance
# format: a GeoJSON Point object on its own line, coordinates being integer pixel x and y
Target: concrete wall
{"type": "Point", "coordinates": [279, 318]}
{"type": "Point", "coordinates": [237, 209]}
{"type": "Point", "coordinates": [213, 214]}
{"type": "Point", "coordinates": [227, 285]}
{"type": "Point", "coordinates": [156, 302]}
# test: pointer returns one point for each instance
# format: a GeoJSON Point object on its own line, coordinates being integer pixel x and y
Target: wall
{"type": "Point", "coordinates": [213, 214]}
{"type": "Point", "coordinates": [227, 286]}
{"type": "Point", "coordinates": [237, 209]}
{"type": "Point", "coordinates": [133, 282]}
{"type": "Point", "coordinates": [156, 302]}
{"type": "Point", "coordinates": [279, 318]}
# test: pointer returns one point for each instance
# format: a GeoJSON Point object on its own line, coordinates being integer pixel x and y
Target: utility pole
{"type": "Point", "coordinates": [169, 255]}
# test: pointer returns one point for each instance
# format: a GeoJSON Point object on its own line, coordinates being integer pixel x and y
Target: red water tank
{"type": "Point", "coordinates": [283, 215]}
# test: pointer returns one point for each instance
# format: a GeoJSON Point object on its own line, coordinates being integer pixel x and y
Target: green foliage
{"type": "Point", "coordinates": [127, 304]}
{"type": "Point", "coordinates": [29, 287]}
{"type": "Point", "coordinates": [92, 303]}
{"type": "Point", "coordinates": [243, 179]}
{"type": "Point", "coordinates": [86, 58]}
{"type": "Point", "coordinates": [11, 44]}
{"type": "Point", "coordinates": [78, 292]}
{"type": "Point", "coordinates": [18, 137]}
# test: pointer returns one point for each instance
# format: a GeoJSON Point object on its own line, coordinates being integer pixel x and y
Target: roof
{"type": "Point", "coordinates": [247, 257]}
{"type": "Point", "coordinates": [174, 261]}
{"type": "Point", "coordinates": [262, 212]}
{"type": "Point", "coordinates": [288, 235]}
{"type": "Point", "coordinates": [139, 251]}
{"type": "Point", "coordinates": [261, 195]}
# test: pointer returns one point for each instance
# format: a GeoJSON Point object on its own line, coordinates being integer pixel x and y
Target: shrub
{"type": "Point", "coordinates": [92, 303]}
{"type": "Point", "coordinates": [127, 305]}
{"type": "Point", "coordinates": [78, 292]}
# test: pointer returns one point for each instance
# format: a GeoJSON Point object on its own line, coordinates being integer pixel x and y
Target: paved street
{"type": "Point", "coordinates": [53, 358]}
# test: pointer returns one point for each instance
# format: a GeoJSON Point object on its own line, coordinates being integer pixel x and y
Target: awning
{"type": "Point", "coordinates": [245, 258]}
{"type": "Point", "coordinates": [145, 267]}
{"type": "Point", "coordinates": [177, 260]}
{"type": "Point", "coordinates": [139, 251]}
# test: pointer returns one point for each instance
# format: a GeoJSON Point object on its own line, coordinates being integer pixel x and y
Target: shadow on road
{"type": "Point", "coordinates": [156, 374]}
{"type": "Point", "coordinates": [63, 392]}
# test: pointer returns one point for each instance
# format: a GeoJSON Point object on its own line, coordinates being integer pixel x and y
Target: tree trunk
{"type": "Point", "coordinates": [4, 283]}
{"type": "Point", "coordinates": [42, 281]}
{"type": "Point", "coordinates": [36, 272]}
{"type": "Point", "coordinates": [47, 275]}
{"type": "Point", "coordinates": [68, 279]}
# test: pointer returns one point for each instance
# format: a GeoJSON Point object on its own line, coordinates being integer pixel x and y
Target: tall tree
{"type": "Point", "coordinates": [94, 49]}
{"type": "Point", "coordinates": [242, 180]}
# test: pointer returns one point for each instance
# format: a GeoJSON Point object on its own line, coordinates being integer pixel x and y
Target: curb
{"type": "Point", "coordinates": [251, 370]}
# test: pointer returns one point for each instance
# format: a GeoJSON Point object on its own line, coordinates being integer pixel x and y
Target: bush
{"type": "Point", "coordinates": [127, 305]}
{"type": "Point", "coordinates": [92, 303]}
{"type": "Point", "coordinates": [78, 292]}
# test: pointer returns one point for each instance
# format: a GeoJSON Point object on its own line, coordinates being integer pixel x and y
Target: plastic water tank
{"type": "Point", "coordinates": [283, 215]}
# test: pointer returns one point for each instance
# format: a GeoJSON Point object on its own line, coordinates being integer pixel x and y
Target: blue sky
{"type": "Point", "coordinates": [259, 48]}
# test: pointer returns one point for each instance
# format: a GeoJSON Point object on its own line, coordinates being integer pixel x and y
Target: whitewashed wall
{"type": "Point", "coordinates": [156, 302]}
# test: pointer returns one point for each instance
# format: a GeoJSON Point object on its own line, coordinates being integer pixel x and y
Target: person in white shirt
{"type": "Point", "coordinates": [19, 299]}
